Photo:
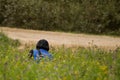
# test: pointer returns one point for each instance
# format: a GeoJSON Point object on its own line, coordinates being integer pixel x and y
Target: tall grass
{"type": "Point", "coordinates": [67, 64]}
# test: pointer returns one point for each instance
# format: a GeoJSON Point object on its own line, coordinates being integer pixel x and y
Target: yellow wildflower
{"type": "Point", "coordinates": [104, 69]}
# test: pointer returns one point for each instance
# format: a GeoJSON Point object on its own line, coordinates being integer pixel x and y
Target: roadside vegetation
{"type": "Point", "coordinates": [67, 64]}
{"type": "Point", "coordinates": [81, 16]}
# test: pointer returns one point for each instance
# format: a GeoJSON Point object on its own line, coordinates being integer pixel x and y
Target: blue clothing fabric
{"type": "Point", "coordinates": [44, 54]}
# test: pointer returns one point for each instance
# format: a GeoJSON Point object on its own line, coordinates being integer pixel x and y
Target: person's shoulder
{"type": "Point", "coordinates": [32, 50]}
{"type": "Point", "coordinates": [44, 51]}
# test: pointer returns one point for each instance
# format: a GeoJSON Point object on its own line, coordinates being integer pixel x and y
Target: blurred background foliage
{"type": "Point", "coordinates": [81, 16]}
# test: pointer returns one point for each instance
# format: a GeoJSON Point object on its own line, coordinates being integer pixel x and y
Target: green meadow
{"type": "Point", "coordinates": [67, 63]}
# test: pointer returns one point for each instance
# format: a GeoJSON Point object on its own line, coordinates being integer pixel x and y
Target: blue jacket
{"type": "Point", "coordinates": [37, 54]}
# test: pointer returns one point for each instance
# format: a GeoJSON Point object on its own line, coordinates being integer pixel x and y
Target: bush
{"type": "Point", "coordinates": [87, 16]}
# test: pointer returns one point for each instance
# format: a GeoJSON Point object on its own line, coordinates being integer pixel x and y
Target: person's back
{"type": "Point", "coordinates": [41, 50]}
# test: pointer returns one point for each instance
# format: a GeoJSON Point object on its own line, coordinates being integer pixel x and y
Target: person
{"type": "Point", "coordinates": [41, 51]}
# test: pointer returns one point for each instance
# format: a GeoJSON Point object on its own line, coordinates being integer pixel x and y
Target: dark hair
{"type": "Point", "coordinates": [42, 44]}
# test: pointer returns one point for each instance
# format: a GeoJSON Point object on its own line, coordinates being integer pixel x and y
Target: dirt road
{"type": "Point", "coordinates": [60, 38]}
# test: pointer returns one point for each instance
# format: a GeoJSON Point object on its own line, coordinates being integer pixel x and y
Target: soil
{"type": "Point", "coordinates": [60, 38]}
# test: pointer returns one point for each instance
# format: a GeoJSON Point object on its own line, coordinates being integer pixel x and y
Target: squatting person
{"type": "Point", "coordinates": [41, 51]}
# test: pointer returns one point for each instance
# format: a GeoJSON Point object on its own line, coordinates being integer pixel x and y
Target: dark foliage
{"type": "Point", "coordinates": [88, 16]}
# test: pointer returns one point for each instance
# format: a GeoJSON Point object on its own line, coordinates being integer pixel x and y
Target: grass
{"type": "Point", "coordinates": [67, 64]}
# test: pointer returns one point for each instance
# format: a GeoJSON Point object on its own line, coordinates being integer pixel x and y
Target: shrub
{"type": "Point", "coordinates": [87, 16]}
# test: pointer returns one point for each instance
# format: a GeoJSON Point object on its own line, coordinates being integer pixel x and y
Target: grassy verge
{"type": "Point", "coordinates": [67, 64]}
